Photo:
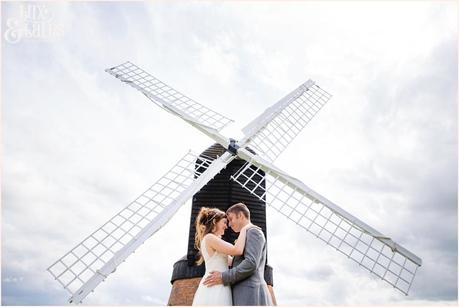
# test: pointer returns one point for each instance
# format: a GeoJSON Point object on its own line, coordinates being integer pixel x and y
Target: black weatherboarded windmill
{"type": "Point", "coordinates": [221, 192]}
{"type": "Point", "coordinates": [91, 261]}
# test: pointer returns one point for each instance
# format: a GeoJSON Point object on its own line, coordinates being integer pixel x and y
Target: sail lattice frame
{"type": "Point", "coordinates": [281, 123]}
{"type": "Point", "coordinates": [161, 93]}
{"type": "Point", "coordinates": [77, 266]}
{"type": "Point", "coordinates": [341, 233]}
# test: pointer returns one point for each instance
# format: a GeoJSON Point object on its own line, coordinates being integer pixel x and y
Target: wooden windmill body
{"type": "Point", "coordinates": [221, 192]}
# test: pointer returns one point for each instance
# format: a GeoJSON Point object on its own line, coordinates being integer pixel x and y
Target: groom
{"type": "Point", "coordinates": [246, 276]}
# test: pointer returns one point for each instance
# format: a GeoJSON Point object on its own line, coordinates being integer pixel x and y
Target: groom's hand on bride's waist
{"type": "Point", "coordinates": [214, 278]}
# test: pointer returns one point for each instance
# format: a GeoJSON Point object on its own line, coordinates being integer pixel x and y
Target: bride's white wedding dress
{"type": "Point", "coordinates": [218, 294]}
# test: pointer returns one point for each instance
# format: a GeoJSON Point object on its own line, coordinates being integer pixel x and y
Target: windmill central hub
{"type": "Point", "coordinates": [233, 147]}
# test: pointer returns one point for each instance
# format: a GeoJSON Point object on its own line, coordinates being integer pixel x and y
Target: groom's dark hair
{"type": "Point", "coordinates": [239, 208]}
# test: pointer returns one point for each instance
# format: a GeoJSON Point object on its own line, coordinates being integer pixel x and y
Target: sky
{"type": "Point", "coordinates": [78, 145]}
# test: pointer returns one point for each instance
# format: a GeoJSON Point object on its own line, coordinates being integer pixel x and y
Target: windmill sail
{"type": "Point", "coordinates": [167, 97]}
{"type": "Point", "coordinates": [90, 262]}
{"type": "Point", "coordinates": [271, 132]}
{"type": "Point", "coordinates": [328, 222]}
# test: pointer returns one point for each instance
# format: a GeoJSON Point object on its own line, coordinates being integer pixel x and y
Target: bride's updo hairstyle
{"type": "Point", "coordinates": [205, 223]}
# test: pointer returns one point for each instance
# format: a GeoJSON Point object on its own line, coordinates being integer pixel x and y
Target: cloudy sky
{"type": "Point", "coordinates": [78, 145]}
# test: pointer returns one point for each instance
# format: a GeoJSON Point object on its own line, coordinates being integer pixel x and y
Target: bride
{"type": "Point", "coordinates": [210, 226]}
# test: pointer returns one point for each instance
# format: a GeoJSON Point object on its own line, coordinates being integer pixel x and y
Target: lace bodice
{"type": "Point", "coordinates": [216, 262]}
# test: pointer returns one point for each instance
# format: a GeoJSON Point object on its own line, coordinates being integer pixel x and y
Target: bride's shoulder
{"type": "Point", "coordinates": [210, 240]}
{"type": "Point", "coordinates": [210, 236]}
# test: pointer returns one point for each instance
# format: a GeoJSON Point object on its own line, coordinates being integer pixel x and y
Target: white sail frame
{"type": "Point", "coordinates": [165, 96]}
{"type": "Point", "coordinates": [330, 223]}
{"type": "Point", "coordinates": [89, 263]}
{"type": "Point", "coordinates": [270, 133]}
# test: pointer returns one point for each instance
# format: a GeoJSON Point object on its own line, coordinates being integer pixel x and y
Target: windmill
{"type": "Point", "coordinates": [221, 192]}
{"type": "Point", "coordinates": [91, 261]}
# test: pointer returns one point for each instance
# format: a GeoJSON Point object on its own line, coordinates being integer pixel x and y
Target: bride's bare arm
{"type": "Point", "coordinates": [230, 260]}
{"type": "Point", "coordinates": [226, 248]}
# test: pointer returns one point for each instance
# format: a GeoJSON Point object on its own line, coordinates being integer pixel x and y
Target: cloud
{"type": "Point", "coordinates": [79, 145]}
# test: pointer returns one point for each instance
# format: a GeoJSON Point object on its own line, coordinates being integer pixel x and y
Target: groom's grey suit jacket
{"type": "Point", "coordinates": [246, 276]}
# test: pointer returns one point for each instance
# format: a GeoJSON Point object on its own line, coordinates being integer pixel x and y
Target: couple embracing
{"type": "Point", "coordinates": [243, 283]}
